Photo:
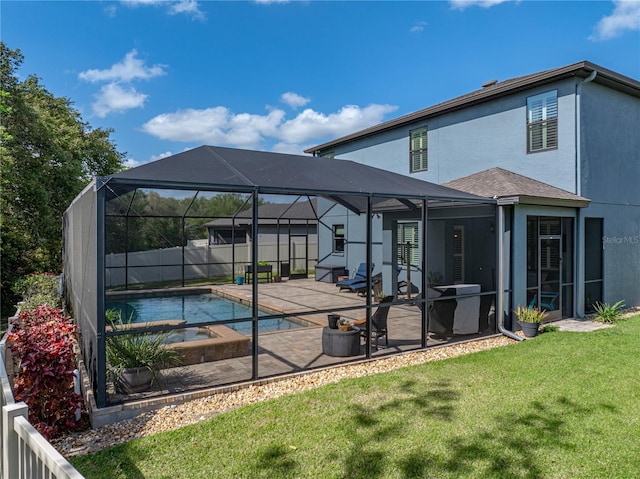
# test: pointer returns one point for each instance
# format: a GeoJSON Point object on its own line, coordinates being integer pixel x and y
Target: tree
{"type": "Point", "coordinates": [48, 155]}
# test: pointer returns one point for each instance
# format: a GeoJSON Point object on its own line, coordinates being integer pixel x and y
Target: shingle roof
{"type": "Point", "coordinates": [509, 187]}
{"type": "Point", "coordinates": [581, 69]}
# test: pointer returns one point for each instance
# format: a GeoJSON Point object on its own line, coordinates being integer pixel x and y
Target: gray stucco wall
{"type": "Point", "coordinates": [610, 172]}
{"type": "Point", "coordinates": [600, 161]}
{"type": "Point", "coordinates": [621, 251]}
{"type": "Point", "coordinates": [477, 138]}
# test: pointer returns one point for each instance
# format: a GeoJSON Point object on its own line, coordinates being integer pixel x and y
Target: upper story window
{"type": "Point", "coordinates": [418, 158]}
{"type": "Point", "coordinates": [338, 239]}
{"type": "Point", "coordinates": [542, 122]}
{"type": "Point", "coordinates": [329, 155]}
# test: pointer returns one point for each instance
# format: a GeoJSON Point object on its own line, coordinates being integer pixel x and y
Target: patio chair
{"type": "Point", "coordinates": [378, 322]}
{"type": "Point", "coordinates": [547, 301]}
{"type": "Point", "coordinates": [361, 286]}
{"type": "Point", "coordinates": [360, 276]}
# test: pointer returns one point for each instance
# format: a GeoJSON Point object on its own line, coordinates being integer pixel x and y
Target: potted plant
{"type": "Point", "coordinates": [135, 359]}
{"type": "Point", "coordinates": [344, 324]}
{"type": "Point", "coordinates": [530, 319]}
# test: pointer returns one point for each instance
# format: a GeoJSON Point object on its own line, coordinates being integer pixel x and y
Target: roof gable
{"type": "Point", "coordinates": [508, 187]}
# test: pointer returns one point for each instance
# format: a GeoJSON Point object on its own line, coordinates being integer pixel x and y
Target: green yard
{"type": "Point", "coordinates": [565, 405]}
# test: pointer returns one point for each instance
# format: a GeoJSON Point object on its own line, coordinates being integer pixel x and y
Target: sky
{"type": "Point", "coordinates": [284, 76]}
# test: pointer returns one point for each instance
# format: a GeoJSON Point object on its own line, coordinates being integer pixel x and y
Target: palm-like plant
{"type": "Point", "coordinates": [137, 350]}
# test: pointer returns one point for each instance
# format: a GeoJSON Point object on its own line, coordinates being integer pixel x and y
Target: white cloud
{"type": "Point", "coordinates": [310, 124]}
{"type": "Point", "coordinates": [219, 126]}
{"type": "Point", "coordinates": [293, 99]}
{"type": "Point", "coordinates": [187, 7]}
{"type": "Point", "coordinates": [132, 163]}
{"type": "Point", "coordinates": [159, 156]}
{"type": "Point", "coordinates": [418, 27]}
{"type": "Point", "coordinates": [462, 4]}
{"type": "Point", "coordinates": [130, 68]}
{"type": "Point", "coordinates": [269, 2]}
{"type": "Point", "coordinates": [116, 98]}
{"type": "Point", "coordinates": [215, 125]}
{"type": "Point", "coordinates": [625, 16]}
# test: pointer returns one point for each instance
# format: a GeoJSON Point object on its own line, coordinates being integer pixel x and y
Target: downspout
{"type": "Point", "coordinates": [500, 285]}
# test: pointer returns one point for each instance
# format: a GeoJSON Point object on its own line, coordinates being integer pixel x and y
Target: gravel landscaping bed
{"type": "Point", "coordinates": [175, 416]}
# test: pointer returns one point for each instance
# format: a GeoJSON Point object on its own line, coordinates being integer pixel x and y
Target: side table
{"type": "Point", "coordinates": [341, 343]}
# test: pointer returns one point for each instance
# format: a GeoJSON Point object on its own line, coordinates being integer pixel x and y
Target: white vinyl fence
{"type": "Point", "coordinates": [26, 454]}
{"type": "Point", "coordinates": [200, 262]}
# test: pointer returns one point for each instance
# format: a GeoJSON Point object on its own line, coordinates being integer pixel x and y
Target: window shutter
{"type": "Point", "coordinates": [408, 233]}
{"type": "Point", "coordinates": [418, 149]}
{"type": "Point", "coordinates": [542, 121]}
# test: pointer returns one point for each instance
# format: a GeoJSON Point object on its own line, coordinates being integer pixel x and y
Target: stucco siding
{"type": "Point", "coordinates": [610, 146]}
{"type": "Point", "coordinates": [467, 141]}
{"type": "Point", "coordinates": [621, 251]}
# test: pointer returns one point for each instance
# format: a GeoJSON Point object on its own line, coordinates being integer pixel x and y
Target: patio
{"type": "Point", "coordinates": [291, 351]}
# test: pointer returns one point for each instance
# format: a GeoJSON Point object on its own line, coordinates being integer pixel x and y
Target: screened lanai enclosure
{"type": "Point", "coordinates": [236, 259]}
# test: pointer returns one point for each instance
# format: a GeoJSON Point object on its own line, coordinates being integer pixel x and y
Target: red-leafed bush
{"type": "Point", "coordinates": [42, 343]}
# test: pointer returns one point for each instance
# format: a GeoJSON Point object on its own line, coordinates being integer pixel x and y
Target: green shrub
{"type": "Point", "coordinates": [549, 328]}
{"type": "Point", "coordinates": [141, 350]}
{"type": "Point", "coordinates": [607, 313]}
{"type": "Point", "coordinates": [37, 289]}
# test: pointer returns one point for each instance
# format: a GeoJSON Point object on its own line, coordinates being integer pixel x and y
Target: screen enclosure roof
{"type": "Point", "coordinates": [215, 168]}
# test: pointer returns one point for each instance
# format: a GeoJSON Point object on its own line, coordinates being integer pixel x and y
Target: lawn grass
{"type": "Point", "coordinates": [563, 405]}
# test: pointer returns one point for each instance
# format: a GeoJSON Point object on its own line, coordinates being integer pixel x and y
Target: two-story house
{"type": "Point", "coordinates": [560, 152]}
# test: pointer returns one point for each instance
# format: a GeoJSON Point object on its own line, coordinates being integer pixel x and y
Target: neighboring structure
{"type": "Point", "coordinates": [290, 228]}
{"type": "Point", "coordinates": [560, 152]}
{"type": "Point", "coordinates": [278, 222]}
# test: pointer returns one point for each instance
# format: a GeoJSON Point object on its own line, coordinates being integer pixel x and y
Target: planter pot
{"type": "Point", "coordinates": [530, 330]}
{"type": "Point", "coordinates": [333, 320]}
{"type": "Point", "coordinates": [345, 327]}
{"type": "Point", "coordinates": [239, 280]}
{"type": "Point", "coordinates": [134, 380]}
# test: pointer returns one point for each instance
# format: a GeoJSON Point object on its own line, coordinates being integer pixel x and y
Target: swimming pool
{"type": "Point", "coordinates": [194, 309]}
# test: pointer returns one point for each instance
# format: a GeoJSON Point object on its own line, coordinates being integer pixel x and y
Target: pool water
{"type": "Point", "coordinates": [194, 309]}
